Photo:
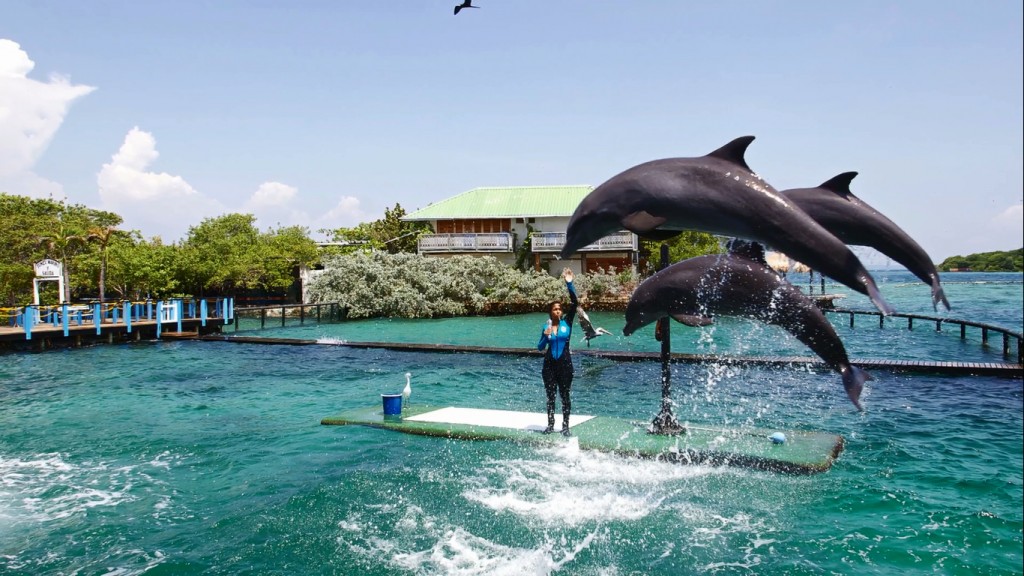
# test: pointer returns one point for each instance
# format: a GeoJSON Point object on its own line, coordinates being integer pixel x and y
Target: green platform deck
{"type": "Point", "coordinates": [804, 452]}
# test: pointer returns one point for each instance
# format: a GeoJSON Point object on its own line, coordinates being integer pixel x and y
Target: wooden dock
{"type": "Point", "coordinates": [73, 325]}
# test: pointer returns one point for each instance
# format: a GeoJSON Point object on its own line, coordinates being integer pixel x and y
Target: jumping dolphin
{"type": "Point", "coordinates": [695, 290]}
{"type": "Point", "coordinates": [855, 222]}
{"type": "Point", "coordinates": [589, 332]}
{"type": "Point", "coordinates": [716, 193]}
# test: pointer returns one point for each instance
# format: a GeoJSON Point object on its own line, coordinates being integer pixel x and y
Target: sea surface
{"type": "Point", "coordinates": [209, 458]}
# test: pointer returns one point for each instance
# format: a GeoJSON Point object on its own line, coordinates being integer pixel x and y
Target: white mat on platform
{"type": "Point", "coordinates": [494, 418]}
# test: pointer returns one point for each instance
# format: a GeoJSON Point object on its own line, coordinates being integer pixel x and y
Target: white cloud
{"type": "Point", "coordinates": [345, 214]}
{"type": "Point", "coordinates": [1012, 217]}
{"type": "Point", "coordinates": [273, 204]}
{"type": "Point", "coordinates": [270, 205]}
{"type": "Point", "coordinates": [31, 112]}
{"type": "Point", "coordinates": [1009, 226]}
{"type": "Point", "coordinates": [157, 204]}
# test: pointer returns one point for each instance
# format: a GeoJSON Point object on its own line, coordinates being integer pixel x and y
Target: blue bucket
{"type": "Point", "coordinates": [392, 404]}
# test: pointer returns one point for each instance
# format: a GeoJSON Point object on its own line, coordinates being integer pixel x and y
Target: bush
{"type": "Point", "coordinates": [379, 284]}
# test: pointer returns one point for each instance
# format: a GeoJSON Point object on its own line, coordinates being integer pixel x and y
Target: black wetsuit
{"type": "Point", "coordinates": [557, 371]}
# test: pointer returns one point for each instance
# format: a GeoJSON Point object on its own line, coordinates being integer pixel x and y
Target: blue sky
{"type": "Point", "coordinates": [325, 113]}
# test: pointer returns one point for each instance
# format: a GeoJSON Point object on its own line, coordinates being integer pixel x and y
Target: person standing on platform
{"type": "Point", "coordinates": [557, 371]}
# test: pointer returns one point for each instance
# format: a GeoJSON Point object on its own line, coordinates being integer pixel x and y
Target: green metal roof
{"type": "Point", "coordinates": [506, 202]}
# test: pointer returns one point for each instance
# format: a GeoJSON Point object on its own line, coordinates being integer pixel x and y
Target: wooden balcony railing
{"type": "Point", "coordinates": [485, 242]}
{"type": "Point", "coordinates": [553, 242]}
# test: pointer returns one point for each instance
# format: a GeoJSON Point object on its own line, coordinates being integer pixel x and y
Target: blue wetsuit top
{"type": "Point", "coordinates": [559, 341]}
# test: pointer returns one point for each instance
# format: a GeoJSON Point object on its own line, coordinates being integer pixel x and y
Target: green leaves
{"type": "Point", "coordinates": [411, 286]}
{"type": "Point", "coordinates": [1000, 261]}
{"type": "Point", "coordinates": [228, 253]}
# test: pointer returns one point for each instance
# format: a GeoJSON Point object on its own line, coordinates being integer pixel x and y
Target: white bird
{"type": "Point", "coordinates": [408, 388]}
{"type": "Point", "coordinates": [588, 327]}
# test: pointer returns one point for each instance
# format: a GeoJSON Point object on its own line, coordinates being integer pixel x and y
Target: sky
{"type": "Point", "coordinates": [324, 114]}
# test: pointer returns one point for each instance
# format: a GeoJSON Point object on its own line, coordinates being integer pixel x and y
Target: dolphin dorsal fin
{"type": "Point", "coordinates": [839, 184]}
{"type": "Point", "coordinates": [733, 151]}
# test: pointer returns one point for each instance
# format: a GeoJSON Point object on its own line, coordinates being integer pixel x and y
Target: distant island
{"type": "Point", "coordinates": [1008, 261]}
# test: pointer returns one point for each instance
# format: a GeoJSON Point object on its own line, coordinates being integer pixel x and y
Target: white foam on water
{"type": "Point", "coordinates": [451, 550]}
{"type": "Point", "coordinates": [47, 487]}
{"type": "Point", "coordinates": [564, 486]}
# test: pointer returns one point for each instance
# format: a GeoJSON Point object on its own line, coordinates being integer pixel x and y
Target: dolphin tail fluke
{"type": "Point", "coordinates": [938, 295]}
{"type": "Point", "coordinates": [853, 382]}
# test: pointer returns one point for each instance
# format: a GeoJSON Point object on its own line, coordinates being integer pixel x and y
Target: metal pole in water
{"type": "Point", "coordinates": [665, 422]}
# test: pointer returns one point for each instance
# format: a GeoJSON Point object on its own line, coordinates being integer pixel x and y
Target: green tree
{"type": "Point", "coordinates": [64, 241]}
{"type": "Point", "coordinates": [219, 255]}
{"type": "Point", "coordinates": [25, 220]}
{"type": "Point", "coordinates": [390, 234]}
{"type": "Point", "coordinates": [686, 244]}
{"type": "Point", "coordinates": [358, 238]}
{"type": "Point", "coordinates": [139, 269]}
{"type": "Point", "coordinates": [102, 236]}
{"type": "Point", "coordinates": [998, 261]}
{"type": "Point", "coordinates": [396, 235]}
{"type": "Point", "coordinates": [284, 251]}
{"type": "Point", "coordinates": [225, 254]}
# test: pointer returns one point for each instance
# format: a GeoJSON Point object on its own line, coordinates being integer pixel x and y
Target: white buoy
{"type": "Point", "coordinates": [778, 438]}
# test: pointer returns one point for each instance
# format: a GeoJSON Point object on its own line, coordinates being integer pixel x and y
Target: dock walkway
{"type": "Point", "coordinates": [43, 327]}
{"type": "Point", "coordinates": [1001, 369]}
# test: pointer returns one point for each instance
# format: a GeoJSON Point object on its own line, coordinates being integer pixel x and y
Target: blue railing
{"type": "Point", "coordinates": [122, 315]}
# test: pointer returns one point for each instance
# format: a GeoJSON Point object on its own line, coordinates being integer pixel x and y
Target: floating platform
{"type": "Point", "coordinates": [802, 452]}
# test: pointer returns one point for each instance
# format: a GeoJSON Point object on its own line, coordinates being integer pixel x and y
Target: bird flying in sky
{"type": "Point", "coordinates": [465, 4]}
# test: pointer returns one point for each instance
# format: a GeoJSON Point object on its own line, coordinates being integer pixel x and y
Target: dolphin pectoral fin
{"type": "Point", "coordinates": [643, 222]}
{"type": "Point", "coordinates": [853, 382]}
{"type": "Point", "coordinates": [694, 320]}
{"type": "Point", "coordinates": [876, 298]}
{"type": "Point", "coordinates": [939, 295]}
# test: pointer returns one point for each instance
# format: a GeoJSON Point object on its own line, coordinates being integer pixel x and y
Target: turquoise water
{"type": "Point", "coordinates": [208, 458]}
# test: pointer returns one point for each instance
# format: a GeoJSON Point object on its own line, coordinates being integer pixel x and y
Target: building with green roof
{"type": "Point", "coordinates": [507, 221]}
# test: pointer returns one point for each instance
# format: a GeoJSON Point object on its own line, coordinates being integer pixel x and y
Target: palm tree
{"type": "Point", "coordinates": [103, 235]}
{"type": "Point", "coordinates": [62, 244]}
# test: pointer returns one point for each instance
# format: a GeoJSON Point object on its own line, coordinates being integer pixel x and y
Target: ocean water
{"type": "Point", "coordinates": [208, 458]}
